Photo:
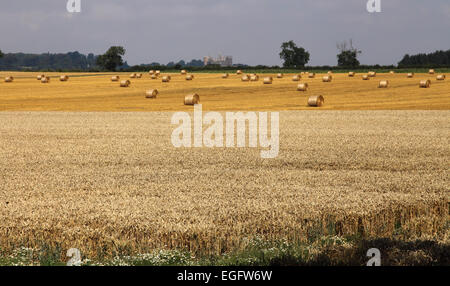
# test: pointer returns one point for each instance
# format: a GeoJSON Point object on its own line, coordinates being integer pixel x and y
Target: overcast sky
{"type": "Point", "coordinates": [249, 30]}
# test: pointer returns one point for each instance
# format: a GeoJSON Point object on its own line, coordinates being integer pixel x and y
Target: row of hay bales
{"type": "Point", "coordinates": [251, 77]}
{"type": "Point", "coordinates": [155, 75]}
{"type": "Point", "coordinates": [385, 83]}
{"type": "Point", "coordinates": [41, 78]}
{"type": "Point", "coordinates": [269, 79]}
{"type": "Point", "coordinates": [165, 79]}
{"type": "Point", "coordinates": [422, 84]}
{"type": "Point", "coordinates": [136, 75]}
{"type": "Point", "coordinates": [373, 74]}
{"type": "Point", "coordinates": [408, 75]}
{"type": "Point", "coordinates": [46, 79]}
{"type": "Point", "coordinates": [190, 99]}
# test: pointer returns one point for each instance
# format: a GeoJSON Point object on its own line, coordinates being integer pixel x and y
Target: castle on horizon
{"type": "Point", "coordinates": [223, 61]}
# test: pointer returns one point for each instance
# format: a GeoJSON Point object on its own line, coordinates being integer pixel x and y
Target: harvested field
{"type": "Point", "coordinates": [96, 92]}
{"type": "Point", "coordinates": [112, 182]}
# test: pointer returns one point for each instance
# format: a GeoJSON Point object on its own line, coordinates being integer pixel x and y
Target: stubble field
{"type": "Point", "coordinates": [96, 92]}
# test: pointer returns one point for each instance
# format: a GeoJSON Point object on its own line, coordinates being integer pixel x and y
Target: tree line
{"type": "Point", "coordinates": [437, 59]}
{"type": "Point", "coordinates": [68, 61]}
{"type": "Point", "coordinates": [293, 57]}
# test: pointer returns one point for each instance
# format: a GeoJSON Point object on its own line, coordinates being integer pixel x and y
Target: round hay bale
{"type": "Point", "coordinates": [154, 76]}
{"type": "Point", "coordinates": [189, 77]}
{"type": "Point", "coordinates": [9, 79]}
{"type": "Point", "coordinates": [239, 72]}
{"type": "Point", "coordinates": [392, 72]}
{"type": "Point", "coordinates": [125, 83]}
{"type": "Point", "coordinates": [425, 83]}
{"type": "Point", "coordinates": [45, 79]}
{"type": "Point", "coordinates": [280, 75]}
{"type": "Point", "coordinates": [383, 84]}
{"type": "Point", "coordinates": [152, 72]}
{"type": "Point", "coordinates": [183, 72]}
{"type": "Point", "coordinates": [139, 75]}
{"type": "Point", "coordinates": [245, 78]}
{"type": "Point", "coordinates": [296, 77]}
{"type": "Point", "coordinates": [191, 99]}
{"type": "Point", "coordinates": [254, 77]}
{"type": "Point", "coordinates": [431, 71]}
{"type": "Point", "coordinates": [39, 77]}
{"type": "Point", "coordinates": [302, 87]}
{"type": "Point", "coordinates": [330, 72]}
{"type": "Point", "coordinates": [133, 75]}
{"type": "Point", "coordinates": [166, 78]}
{"type": "Point", "coordinates": [64, 78]}
{"type": "Point", "coordinates": [312, 75]}
{"type": "Point", "coordinates": [441, 77]}
{"type": "Point", "coordinates": [152, 93]}
{"type": "Point", "coordinates": [316, 101]}
{"type": "Point", "coordinates": [268, 80]}
{"type": "Point", "coordinates": [157, 72]}
{"type": "Point", "coordinates": [351, 74]}
{"type": "Point", "coordinates": [225, 75]}
{"type": "Point", "coordinates": [327, 78]}
{"type": "Point", "coordinates": [410, 75]}
{"type": "Point", "coordinates": [365, 77]}
{"type": "Point", "coordinates": [372, 74]}
{"type": "Point", "coordinates": [115, 78]}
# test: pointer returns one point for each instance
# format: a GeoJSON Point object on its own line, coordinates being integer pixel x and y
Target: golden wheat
{"type": "Point", "coordinates": [109, 182]}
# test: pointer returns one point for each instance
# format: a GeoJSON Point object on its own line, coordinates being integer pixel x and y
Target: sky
{"type": "Point", "coordinates": [249, 30]}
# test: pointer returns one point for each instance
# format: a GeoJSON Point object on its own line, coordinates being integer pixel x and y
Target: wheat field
{"type": "Point", "coordinates": [113, 183]}
{"type": "Point", "coordinates": [96, 92]}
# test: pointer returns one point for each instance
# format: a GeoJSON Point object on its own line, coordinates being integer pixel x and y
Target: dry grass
{"type": "Point", "coordinates": [95, 92]}
{"type": "Point", "coordinates": [107, 182]}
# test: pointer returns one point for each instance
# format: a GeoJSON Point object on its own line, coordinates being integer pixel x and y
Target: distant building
{"type": "Point", "coordinates": [223, 61]}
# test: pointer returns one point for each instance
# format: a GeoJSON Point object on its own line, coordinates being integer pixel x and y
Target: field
{"type": "Point", "coordinates": [371, 163]}
{"type": "Point", "coordinates": [96, 92]}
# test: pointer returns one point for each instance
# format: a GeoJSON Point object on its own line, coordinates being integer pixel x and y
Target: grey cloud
{"type": "Point", "coordinates": [250, 30]}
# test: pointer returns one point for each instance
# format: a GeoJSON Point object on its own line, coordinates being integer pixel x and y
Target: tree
{"type": "Point", "coordinates": [293, 56]}
{"type": "Point", "coordinates": [348, 56]}
{"type": "Point", "coordinates": [1, 54]}
{"type": "Point", "coordinates": [436, 59]}
{"type": "Point", "coordinates": [112, 58]}
{"type": "Point", "coordinates": [195, 63]}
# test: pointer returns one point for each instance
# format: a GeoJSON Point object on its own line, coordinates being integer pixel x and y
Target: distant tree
{"type": "Point", "coordinates": [436, 59]}
{"type": "Point", "coordinates": [293, 56]}
{"type": "Point", "coordinates": [91, 60]}
{"type": "Point", "coordinates": [348, 56]}
{"type": "Point", "coordinates": [181, 63]}
{"type": "Point", "coordinates": [195, 63]}
{"type": "Point", "coordinates": [112, 58]}
{"type": "Point", "coordinates": [1, 54]}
